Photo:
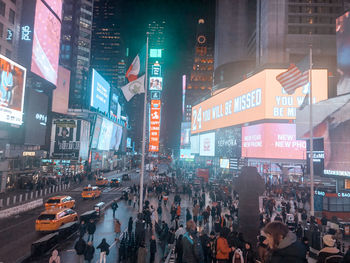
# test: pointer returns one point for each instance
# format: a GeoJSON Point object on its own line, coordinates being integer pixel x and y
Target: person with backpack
{"type": "Point", "coordinates": [191, 245]}
{"type": "Point", "coordinates": [329, 254]}
{"type": "Point", "coordinates": [80, 247]}
{"type": "Point", "coordinates": [89, 252]}
{"type": "Point", "coordinates": [178, 249]}
{"type": "Point", "coordinates": [104, 250]}
{"type": "Point", "coordinates": [212, 244]}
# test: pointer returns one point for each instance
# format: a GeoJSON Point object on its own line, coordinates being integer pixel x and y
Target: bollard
{"type": "Point", "coordinates": [26, 197]}
{"type": "Point", "coordinates": [1, 203]}
{"type": "Point", "coordinates": [8, 201]}
{"type": "Point", "coordinates": [14, 199]}
{"type": "Point", "coordinates": [45, 191]}
{"type": "Point", "coordinates": [31, 195]}
{"type": "Point", "coordinates": [41, 192]}
{"type": "Point", "coordinates": [36, 194]}
{"type": "Point", "coordinates": [20, 198]}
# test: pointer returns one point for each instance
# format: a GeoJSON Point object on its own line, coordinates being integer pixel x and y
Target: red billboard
{"type": "Point", "coordinates": [273, 141]}
{"type": "Point", "coordinates": [154, 126]}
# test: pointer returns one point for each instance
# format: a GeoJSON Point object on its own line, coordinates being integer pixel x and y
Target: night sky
{"type": "Point", "coordinates": [181, 18]}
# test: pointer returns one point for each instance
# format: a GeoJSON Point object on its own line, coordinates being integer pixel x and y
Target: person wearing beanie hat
{"type": "Point", "coordinates": [329, 254]}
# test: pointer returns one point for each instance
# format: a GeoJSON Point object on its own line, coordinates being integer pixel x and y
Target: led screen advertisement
{"type": "Point", "coordinates": [186, 154]}
{"type": "Point", "coordinates": [207, 144]}
{"type": "Point", "coordinates": [256, 98]}
{"type": "Point", "coordinates": [154, 125]}
{"type": "Point", "coordinates": [318, 156]}
{"type": "Point", "coordinates": [105, 135]}
{"type": "Point", "coordinates": [56, 6]}
{"type": "Point", "coordinates": [185, 134]}
{"type": "Point", "coordinates": [332, 123]}
{"type": "Point", "coordinates": [46, 41]}
{"type": "Point", "coordinates": [96, 132]}
{"type": "Point", "coordinates": [116, 137]}
{"type": "Point", "coordinates": [272, 140]}
{"type": "Point", "coordinates": [65, 136]}
{"type": "Point", "coordinates": [100, 90]}
{"type": "Point", "coordinates": [156, 83]}
{"type": "Point", "coordinates": [225, 163]}
{"type": "Point", "coordinates": [228, 142]}
{"type": "Point", "coordinates": [195, 144]}
{"type": "Point", "coordinates": [84, 140]}
{"type": "Point", "coordinates": [343, 52]}
{"type": "Point", "coordinates": [128, 143]}
{"type": "Point", "coordinates": [61, 93]}
{"type": "Point", "coordinates": [35, 121]}
{"type": "Point", "coordinates": [12, 89]}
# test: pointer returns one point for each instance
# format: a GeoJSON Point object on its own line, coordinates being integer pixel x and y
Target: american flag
{"type": "Point", "coordinates": [296, 76]}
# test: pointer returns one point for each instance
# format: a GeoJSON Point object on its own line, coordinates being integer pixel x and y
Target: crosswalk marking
{"type": "Point", "coordinates": [104, 189]}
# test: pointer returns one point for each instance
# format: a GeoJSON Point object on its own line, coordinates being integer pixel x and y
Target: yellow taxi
{"type": "Point", "coordinates": [64, 201]}
{"type": "Point", "coordinates": [90, 192]}
{"type": "Point", "coordinates": [53, 219]}
{"type": "Point", "coordinates": [102, 181]}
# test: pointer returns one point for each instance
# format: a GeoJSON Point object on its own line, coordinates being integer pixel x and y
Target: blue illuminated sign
{"type": "Point", "coordinates": [26, 33]}
{"type": "Point", "coordinates": [99, 92]}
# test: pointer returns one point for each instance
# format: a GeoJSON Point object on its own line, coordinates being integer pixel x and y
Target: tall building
{"type": "Point", "coordinates": [235, 41]}
{"type": "Point", "coordinates": [200, 81]}
{"type": "Point", "coordinates": [107, 49]}
{"type": "Point", "coordinates": [156, 34]}
{"type": "Point", "coordinates": [76, 48]}
{"type": "Point", "coordinates": [10, 27]}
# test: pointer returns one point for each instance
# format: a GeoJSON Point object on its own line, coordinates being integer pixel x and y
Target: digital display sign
{"type": "Point", "coordinates": [256, 98]}
{"type": "Point", "coordinates": [35, 122]}
{"type": "Point", "coordinates": [154, 126]}
{"type": "Point", "coordinates": [272, 140]}
{"type": "Point", "coordinates": [156, 83]}
{"type": "Point", "coordinates": [99, 92]}
{"type": "Point", "coordinates": [225, 163]}
{"type": "Point", "coordinates": [128, 143]}
{"type": "Point", "coordinates": [96, 132]}
{"type": "Point", "coordinates": [186, 154]}
{"type": "Point", "coordinates": [185, 134]}
{"type": "Point", "coordinates": [105, 135]}
{"type": "Point", "coordinates": [116, 137]}
{"type": "Point", "coordinates": [195, 144]}
{"type": "Point", "coordinates": [12, 88]}
{"type": "Point", "coordinates": [56, 6]}
{"type": "Point", "coordinates": [84, 140]}
{"type": "Point", "coordinates": [46, 41]}
{"type": "Point", "coordinates": [228, 142]}
{"type": "Point", "coordinates": [318, 154]}
{"type": "Point", "coordinates": [61, 93]}
{"type": "Point", "coordinates": [207, 144]}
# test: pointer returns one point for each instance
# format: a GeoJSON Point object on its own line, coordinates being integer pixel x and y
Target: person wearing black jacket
{"type": "Point", "coordinates": [89, 252]}
{"type": "Point", "coordinates": [178, 249]}
{"type": "Point", "coordinates": [152, 248]}
{"type": "Point", "coordinates": [82, 228]}
{"type": "Point", "coordinates": [80, 247]}
{"type": "Point", "coordinates": [91, 228]}
{"type": "Point", "coordinates": [248, 253]}
{"type": "Point", "coordinates": [104, 250]}
{"type": "Point", "coordinates": [204, 238]}
{"type": "Point", "coordinates": [191, 247]}
{"type": "Point", "coordinates": [130, 223]}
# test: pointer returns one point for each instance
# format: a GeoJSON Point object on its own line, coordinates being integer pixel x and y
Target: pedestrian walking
{"type": "Point", "coordinates": [104, 250]}
{"type": "Point", "coordinates": [55, 258]}
{"type": "Point", "coordinates": [142, 253]}
{"type": "Point", "coordinates": [117, 227]}
{"type": "Point", "coordinates": [80, 247]}
{"type": "Point", "coordinates": [82, 228]}
{"type": "Point", "coordinates": [130, 224]}
{"type": "Point", "coordinates": [152, 248]}
{"type": "Point", "coordinates": [91, 228]}
{"type": "Point", "coordinates": [114, 207]}
{"type": "Point", "coordinates": [89, 252]}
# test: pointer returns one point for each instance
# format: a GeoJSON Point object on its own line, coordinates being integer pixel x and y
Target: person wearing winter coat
{"type": "Point", "coordinates": [117, 226]}
{"type": "Point", "coordinates": [104, 250]}
{"type": "Point", "coordinates": [130, 224]}
{"type": "Point", "coordinates": [262, 249]}
{"type": "Point", "coordinates": [79, 247]}
{"type": "Point", "coordinates": [222, 249]}
{"type": "Point", "coordinates": [152, 248]}
{"type": "Point", "coordinates": [55, 258]}
{"type": "Point", "coordinates": [248, 253]}
{"type": "Point", "coordinates": [82, 228]}
{"type": "Point", "coordinates": [188, 215]}
{"type": "Point", "coordinates": [142, 253]}
{"type": "Point", "coordinates": [91, 228]}
{"type": "Point", "coordinates": [329, 254]}
{"type": "Point", "coordinates": [238, 256]}
{"type": "Point", "coordinates": [178, 249]}
{"type": "Point", "coordinates": [283, 244]}
{"type": "Point", "coordinates": [191, 252]}
{"type": "Point", "coordinates": [89, 252]}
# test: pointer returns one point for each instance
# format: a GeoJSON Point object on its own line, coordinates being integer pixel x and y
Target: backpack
{"type": "Point", "coordinates": [334, 259]}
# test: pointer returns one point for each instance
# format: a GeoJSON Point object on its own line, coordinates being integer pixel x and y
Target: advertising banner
{"type": "Point", "coordinates": [228, 142]}
{"type": "Point", "coordinates": [100, 90]}
{"type": "Point", "coordinates": [186, 154]}
{"type": "Point", "coordinates": [61, 93]}
{"type": "Point", "coordinates": [66, 134]}
{"type": "Point", "coordinates": [84, 140]}
{"type": "Point", "coordinates": [105, 135]}
{"type": "Point", "coordinates": [272, 140]}
{"type": "Point", "coordinates": [154, 126]}
{"type": "Point", "coordinates": [35, 122]}
{"type": "Point", "coordinates": [46, 41]}
{"type": "Point", "coordinates": [185, 134]}
{"type": "Point", "coordinates": [256, 98]}
{"type": "Point", "coordinates": [225, 163]}
{"type": "Point", "coordinates": [207, 144]}
{"type": "Point", "coordinates": [195, 144]}
{"type": "Point", "coordinates": [96, 132]}
{"type": "Point", "coordinates": [12, 88]}
{"type": "Point", "coordinates": [318, 154]}
{"type": "Point", "coordinates": [56, 6]}
{"type": "Point", "coordinates": [156, 83]}
{"type": "Point", "coordinates": [116, 137]}
{"type": "Point", "coordinates": [128, 143]}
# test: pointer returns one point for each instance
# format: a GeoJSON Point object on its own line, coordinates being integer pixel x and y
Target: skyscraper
{"type": "Point", "coordinates": [76, 48]}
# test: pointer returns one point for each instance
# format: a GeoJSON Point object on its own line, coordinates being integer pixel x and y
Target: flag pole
{"type": "Point", "coordinates": [312, 194]}
{"type": "Point", "coordinates": [144, 132]}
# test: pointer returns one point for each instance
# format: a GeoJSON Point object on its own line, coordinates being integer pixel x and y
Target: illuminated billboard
{"type": "Point", "coordinates": [105, 135]}
{"type": "Point", "coordinates": [272, 140]}
{"type": "Point", "coordinates": [96, 132]}
{"type": "Point", "coordinates": [61, 93]}
{"type": "Point", "coordinates": [225, 163]}
{"type": "Point", "coordinates": [12, 88]}
{"type": "Point", "coordinates": [100, 90]}
{"type": "Point", "coordinates": [185, 134]}
{"type": "Point", "coordinates": [46, 41]}
{"type": "Point", "coordinates": [56, 6]}
{"type": "Point", "coordinates": [156, 83]}
{"type": "Point", "coordinates": [256, 98]}
{"type": "Point", "coordinates": [154, 125]}
{"type": "Point", "coordinates": [186, 154]}
{"type": "Point", "coordinates": [228, 142]}
{"type": "Point", "coordinates": [116, 137]}
{"type": "Point", "coordinates": [195, 144]}
{"type": "Point", "coordinates": [207, 144]}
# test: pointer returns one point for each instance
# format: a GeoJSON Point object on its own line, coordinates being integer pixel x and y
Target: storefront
{"type": "Point", "coordinates": [58, 167]}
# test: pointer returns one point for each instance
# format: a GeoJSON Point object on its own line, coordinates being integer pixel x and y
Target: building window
{"type": "Point", "coordinates": [8, 53]}
{"type": "Point", "coordinates": [1, 30]}
{"type": "Point", "coordinates": [2, 8]}
{"type": "Point", "coordinates": [12, 15]}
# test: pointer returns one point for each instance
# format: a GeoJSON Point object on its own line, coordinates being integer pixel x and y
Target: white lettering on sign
{"type": "Point", "coordinates": [247, 101]}
{"type": "Point", "coordinates": [26, 33]}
